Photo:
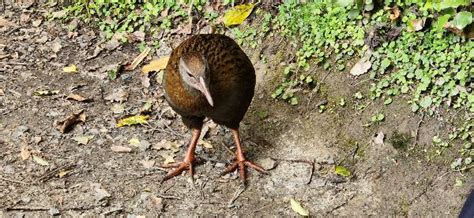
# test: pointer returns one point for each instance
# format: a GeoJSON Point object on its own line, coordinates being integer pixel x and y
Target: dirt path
{"type": "Point", "coordinates": [93, 179]}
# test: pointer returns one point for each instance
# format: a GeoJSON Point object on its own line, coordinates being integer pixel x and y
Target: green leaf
{"type": "Point", "coordinates": [294, 101]}
{"type": "Point", "coordinates": [439, 25]}
{"type": "Point", "coordinates": [388, 101]}
{"type": "Point", "coordinates": [296, 206]}
{"type": "Point", "coordinates": [426, 102]}
{"type": "Point", "coordinates": [385, 63]}
{"type": "Point", "coordinates": [462, 19]}
{"type": "Point", "coordinates": [344, 3]}
{"type": "Point", "coordinates": [452, 3]}
{"type": "Point", "coordinates": [340, 170]}
{"type": "Point", "coordinates": [237, 15]}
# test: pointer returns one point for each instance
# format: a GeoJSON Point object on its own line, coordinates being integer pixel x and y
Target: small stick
{"type": "Point", "coordinates": [112, 211]}
{"type": "Point", "coordinates": [27, 208]}
{"type": "Point", "coordinates": [14, 181]}
{"type": "Point", "coordinates": [168, 196]}
{"type": "Point", "coordinates": [417, 130]}
{"type": "Point", "coordinates": [52, 173]}
{"type": "Point", "coordinates": [14, 63]}
{"type": "Point", "coordinates": [236, 195]}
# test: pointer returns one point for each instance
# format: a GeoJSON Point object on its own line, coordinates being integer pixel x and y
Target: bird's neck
{"type": "Point", "coordinates": [191, 90]}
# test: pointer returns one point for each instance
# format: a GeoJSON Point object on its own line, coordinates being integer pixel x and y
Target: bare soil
{"type": "Point", "coordinates": [299, 145]}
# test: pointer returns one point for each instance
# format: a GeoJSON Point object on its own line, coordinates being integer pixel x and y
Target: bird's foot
{"type": "Point", "coordinates": [180, 167]}
{"type": "Point", "coordinates": [241, 164]}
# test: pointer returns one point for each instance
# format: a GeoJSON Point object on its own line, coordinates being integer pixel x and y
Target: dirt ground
{"type": "Point", "coordinates": [297, 144]}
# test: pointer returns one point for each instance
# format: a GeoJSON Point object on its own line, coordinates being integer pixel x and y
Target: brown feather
{"type": "Point", "coordinates": [232, 81]}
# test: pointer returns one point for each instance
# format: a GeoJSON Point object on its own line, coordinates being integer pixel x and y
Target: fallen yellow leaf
{"type": "Point", "coordinates": [120, 149]}
{"type": "Point", "coordinates": [156, 65]}
{"type": "Point", "coordinates": [134, 142]}
{"type": "Point", "coordinates": [83, 139]}
{"type": "Point", "coordinates": [237, 15]}
{"type": "Point", "coordinates": [296, 206]}
{"type": "Point", "coordinates": [40, 161]}
{"type": "Point", "coordinates": [205, 144]}
{"type": "Point", "coordinates": [63, 173]}
{"type": "Point", "coordinates": [70, 69]}
{"type": "Point", "coordinates": [138, 59]}
{"type": "Point", "coordinates": [133, 120]}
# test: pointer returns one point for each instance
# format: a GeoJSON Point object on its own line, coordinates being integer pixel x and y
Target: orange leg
{"type": "Point", "coordinates": [241, 162]}
{"type": "Point", "coordinates": [187, 163]}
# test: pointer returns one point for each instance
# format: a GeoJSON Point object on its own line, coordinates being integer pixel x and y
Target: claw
{"type": "Point", "coordinates": [180, 167]}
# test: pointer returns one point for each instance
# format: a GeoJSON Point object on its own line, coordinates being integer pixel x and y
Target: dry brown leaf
{"type": "Point", "coordinates": [25, 153]}
{"type": "Point", "coordinates": [416, 25]}
{"type": "Point", "coordinates": [5, 23]}
{"type": "Point", "coordinates": [138, 59]}
{"type": "Point", "coordinates": [156, 203]}
{"type": "Point", "coordinates": [378, 140]}
{"type": "Point", "coordinates": [2, 93]}
{"type": "Point", "coordinates": [121, 149]}
{"type": "Point", "coordinates": [363, 65]}
{"type": "Point", "coordinates": [467, 32]}
{"type": "Point", "coordinates": [77, 97]}
{"type": "Point", "coordinates": [37, 139]}
{"type": "Point", "coordinates": [147, 164]}
{"type": "Point", "coordinates": [394, 13]}
{"type": "Point", "coordinates": [118, 95]}
{"type": "Point", "coordinates": [156, 65]}
{"type": "Point", "coordinates": [37, 23]}
{"type": "Point", "coordinates": [165, 144]}
{"type": "Point", "coordinates": [168, 156]}
{"type": "Point", "coordinates": [68, 123]}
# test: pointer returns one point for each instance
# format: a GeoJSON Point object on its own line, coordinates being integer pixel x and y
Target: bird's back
{"type": "Point", "coordinates": [232, 80]}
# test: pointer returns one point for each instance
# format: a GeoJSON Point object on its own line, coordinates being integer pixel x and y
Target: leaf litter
{"type": "Point", "coordinates": [138, 59]}
{"type": "Point", "coordinates": [133, 120]}
{"type": "Point", "coordinates": [296, 206]}
{"type": "Point", "coordinates": [237, 14]}
{"type": "Point", "coordinates": [70, 121]}
{"type": "Point", "coordinates": [156, 65]}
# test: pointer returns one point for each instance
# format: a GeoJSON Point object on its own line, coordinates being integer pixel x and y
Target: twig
{"type": "Point", "coordinates": [26, 208]}
{"type": "Point", "coordinates": [429, 185]}
{"type": "Point", "coordinates": [14, 63]}
{"type": "Point", "coordinates": [236, 195]}
{"type": "Point", "coordinates": [112, 211]}
{"type": "Point", "coordinates": [52, 173]}
{"type": "Point", "coordinates": [417, 130]}
{"type": "Point", "coordinates": [318, 86]}
{"type": "Point", "coordinates": [168, 196]}
{"type": "Point", "coordinates": [14, 181]}
{"type": "Point", "coordinates": [227, 148]}
{"type": "Point", "coordinates": [259, 209]}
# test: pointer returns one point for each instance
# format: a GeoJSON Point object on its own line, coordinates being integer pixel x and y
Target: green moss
{"type": "Point", "coordinates": [400, 141]}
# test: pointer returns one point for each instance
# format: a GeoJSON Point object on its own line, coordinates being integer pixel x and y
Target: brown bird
{"type": "Point", "coordinates": [208, 75]}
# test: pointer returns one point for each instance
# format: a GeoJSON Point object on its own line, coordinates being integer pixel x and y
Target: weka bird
{"type": "Point", "coordinates": [209, 75]}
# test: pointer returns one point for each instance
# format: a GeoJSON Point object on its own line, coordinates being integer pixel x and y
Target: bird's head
{"type": "Point", "coordinates": [194, 72]}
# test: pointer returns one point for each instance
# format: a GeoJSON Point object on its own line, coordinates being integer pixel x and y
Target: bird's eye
{"type": "Point", "coordinates": [190, 75]}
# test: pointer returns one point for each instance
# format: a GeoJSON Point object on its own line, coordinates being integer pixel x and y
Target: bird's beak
{"type": "Point", "coordinates": [205, 90]}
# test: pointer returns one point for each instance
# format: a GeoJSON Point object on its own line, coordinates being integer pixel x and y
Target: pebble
{"type": "Point", "coordinates": [268, 163]}
{"type": "Point", "coordinates": [53, 211]}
